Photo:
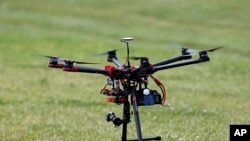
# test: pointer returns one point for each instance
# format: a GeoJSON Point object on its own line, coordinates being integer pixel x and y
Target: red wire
{"type": "Point", "coordinates": [159, 83]}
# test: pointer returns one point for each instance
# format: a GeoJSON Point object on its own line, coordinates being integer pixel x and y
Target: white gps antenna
{"type": "Point", "coordinates": [126, 40]}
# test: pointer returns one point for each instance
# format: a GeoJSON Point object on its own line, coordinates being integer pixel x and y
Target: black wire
{"type": "Point", "coordinates": [128, 55]}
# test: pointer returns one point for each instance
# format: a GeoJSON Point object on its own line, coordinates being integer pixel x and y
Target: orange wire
{"type": "Point", "coordinates": [159, 83]}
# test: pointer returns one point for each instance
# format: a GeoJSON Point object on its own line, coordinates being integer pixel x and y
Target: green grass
{"type": "Point", "coordinates": [38, 103]}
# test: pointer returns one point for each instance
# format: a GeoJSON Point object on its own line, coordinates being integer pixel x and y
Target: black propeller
{"type": "Point", "coordinates": [78, 62]}
{"type": "Point", "coordinates": [110, 52]}
{"type": "Point", "coordinates": [213, 49]}
{"type": "Point", "coordinates": [111, 55]}
{"type": "Point", "coordinates": [190, 51]}
{"type": "Point", "coordinates": [143, 60]}
{"type": "Point", "coordinates": [54, 59]}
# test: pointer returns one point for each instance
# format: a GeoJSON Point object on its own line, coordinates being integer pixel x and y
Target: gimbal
{"type": "Point", "coordinates": [129, 84]}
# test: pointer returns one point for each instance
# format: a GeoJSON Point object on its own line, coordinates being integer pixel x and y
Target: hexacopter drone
{"type": "Point", "coordinates": [129, 84]}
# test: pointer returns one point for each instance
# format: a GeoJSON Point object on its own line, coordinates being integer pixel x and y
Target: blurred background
{"type": "Point", "coordinates": [38, 103]}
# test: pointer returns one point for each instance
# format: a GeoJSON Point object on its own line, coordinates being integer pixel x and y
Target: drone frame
{"type": "Point", "coordinates": [131, 73]}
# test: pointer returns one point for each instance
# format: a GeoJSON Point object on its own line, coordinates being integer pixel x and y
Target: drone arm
{"type": "Point", "coordinates": [163, 67]}
{"type": "Point", "coordinates": [179, 58]}
{"type": "Point", "coordinates": [86, 70]}
{"type": "Point", "coordinates": [116, 62]}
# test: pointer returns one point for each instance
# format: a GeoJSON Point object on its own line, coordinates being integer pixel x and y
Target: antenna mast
{"type": "Point", "coordinates": [126, 40]}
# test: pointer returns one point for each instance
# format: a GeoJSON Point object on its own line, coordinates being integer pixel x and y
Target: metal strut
{"type": "Point", "coordinates": [126, 120]}
{"type": "Point", "coordinates": [136, 115]}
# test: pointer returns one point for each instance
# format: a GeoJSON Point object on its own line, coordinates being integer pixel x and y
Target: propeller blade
{"type": "Point", "coordinates": [54, 58]}
{"type": "Point", "coordinates": [213, 49]}
{"type": "Point", "coordinates": [190, 50]}
{"type": "Point", "coordinates": [193, 52]}
{"type": "Point", "coordinates": [46, 56]}
{"type": "Point", "coordinates": [67, 61]}
{"type": "Point", "coordinates": [106, 53]}
{"type": "Point", "coordinates": [58, 59]}
{"type": "Point", "coordinates": [186, 50]}
{"type": "Point", "coordinates": [84, 62]}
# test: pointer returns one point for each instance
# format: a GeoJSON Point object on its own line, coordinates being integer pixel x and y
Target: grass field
{"type": "Point", "coordinates": [38, 103]}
